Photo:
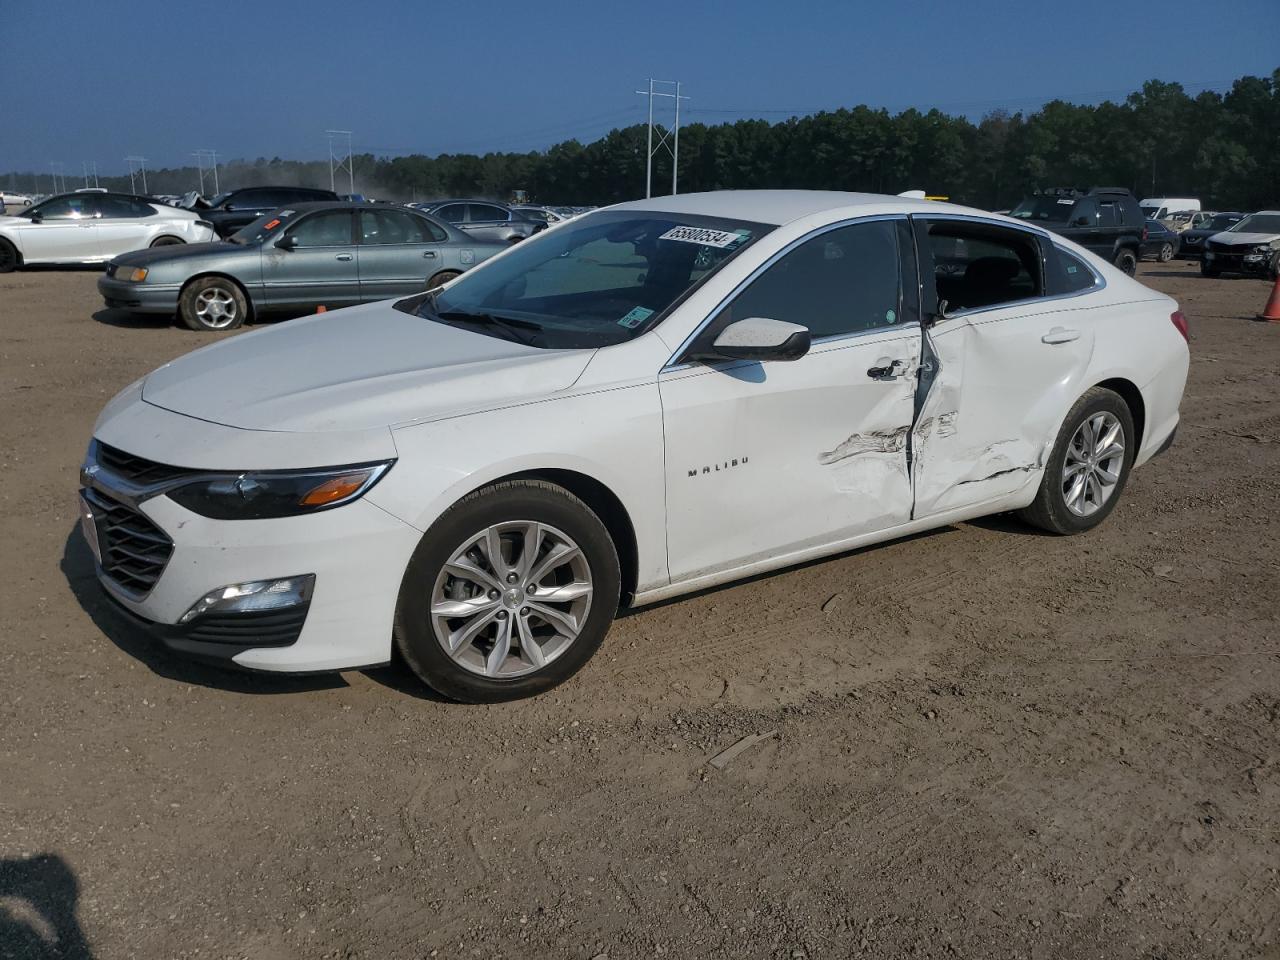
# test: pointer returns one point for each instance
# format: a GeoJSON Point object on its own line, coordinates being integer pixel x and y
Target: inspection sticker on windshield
{"type": "Point", "coordinates": [705, 236]}
{"type": "Point", "coordinates": [637, 316]}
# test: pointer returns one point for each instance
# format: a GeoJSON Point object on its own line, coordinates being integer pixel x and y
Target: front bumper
{"type": "Point", "coordinates": [1244, 262]}
{"type": "Point", "coordinates": [139, 297]}
{"type": "Point", "coordinates": [358, 554]}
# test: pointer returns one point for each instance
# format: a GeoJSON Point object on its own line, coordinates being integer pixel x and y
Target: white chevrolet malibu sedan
{"type": "Point", "coordinates": [92, 227]}
{"type": "Point", "coordinates": [652, 399]}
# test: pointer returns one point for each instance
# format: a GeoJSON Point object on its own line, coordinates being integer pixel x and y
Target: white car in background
{"type": "Point", "coordinates": [13, 201]}
{"type": "Point", "coordinates": [93, 227]}
{"type": "Point", "coordinates": [650, 400]}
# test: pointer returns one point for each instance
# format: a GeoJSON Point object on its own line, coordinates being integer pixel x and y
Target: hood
{"type": "Point", "coordinates": [357, 369]}
{"type": "Point", "coordinates": [1228, 239]}
{"type": "Point", "coordinates": [178, 251]}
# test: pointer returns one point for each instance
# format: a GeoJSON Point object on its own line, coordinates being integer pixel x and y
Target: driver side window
{"type": "Point", "coordinates": [843, 281]}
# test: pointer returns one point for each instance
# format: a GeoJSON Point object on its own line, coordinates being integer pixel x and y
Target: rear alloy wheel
{"type": "Point", "coordinates": [1166, 253]}
{"type": "Point", "coordinates": [509, 593]}
{"type": "Point", "coordinates": [1127, 262]}
{"type": "Point", "coordinates": [212, 303]}
{"type": "Point", "coordinates": [1088, 467]}
{"type": "Point", "coordinates": [443, 277]}
{"type": "Point", "coordinates": [166, 242]}
{"type": "Point", "coordinates": [8, 257]}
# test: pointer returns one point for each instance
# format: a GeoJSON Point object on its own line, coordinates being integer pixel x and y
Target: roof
{"type": "Point", "coordinates": [783, 206]}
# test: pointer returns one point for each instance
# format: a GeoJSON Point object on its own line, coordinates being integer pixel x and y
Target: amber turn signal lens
{"type": "Point", "coordinates": [334, 489]}
{"type": "Point", "coordinates": [138, 275]}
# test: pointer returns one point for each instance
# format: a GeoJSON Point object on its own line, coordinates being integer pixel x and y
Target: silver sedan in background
{"type": "Point", "coordinates": [330, 254]}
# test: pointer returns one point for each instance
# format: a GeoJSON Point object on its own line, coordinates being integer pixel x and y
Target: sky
{"type": "Point", "coordinates": [99, 80]}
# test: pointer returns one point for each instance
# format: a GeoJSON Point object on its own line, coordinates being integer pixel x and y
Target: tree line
{"type": "Point", "coordinates": [1161, 141]}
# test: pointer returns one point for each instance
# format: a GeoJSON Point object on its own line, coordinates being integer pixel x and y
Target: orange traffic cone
{"type": "Point", "coordinates": [1271, 311]}
{"type": "Point", "coordinates": [322, 309]}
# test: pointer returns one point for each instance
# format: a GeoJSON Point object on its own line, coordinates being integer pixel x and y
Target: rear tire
{"type": "Point", "coordinates": [210, 304]}
{"type": "Point", "coordinates": [1126, 261]}
{"type": "Point", "coordinates": [9, 259]}
{"type": "Point", "coordinates": [166, 242]}
{"type": "Point", "coordinates": [1166, 253]}
{"type": "Point", "coordinates": [454, 597]}
{"type": "Point", "coordinates": [1074, 495]}
{"type": "Point", "coordinates": [443, 277]}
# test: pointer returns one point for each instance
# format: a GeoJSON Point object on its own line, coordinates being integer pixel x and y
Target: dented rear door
{"type": "Point", "coordinates": [996, 385]}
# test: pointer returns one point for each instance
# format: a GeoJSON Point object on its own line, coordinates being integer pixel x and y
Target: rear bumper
{"type": "Point", "coordinates": [139, 297]}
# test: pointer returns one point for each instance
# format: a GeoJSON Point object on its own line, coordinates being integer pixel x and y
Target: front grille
{"type": "Point", "coordinates": [139, 470]}
{"type": "Point", "coordinates": [267, 628]}
{"type": "Point", "coordinates": [134, 550]}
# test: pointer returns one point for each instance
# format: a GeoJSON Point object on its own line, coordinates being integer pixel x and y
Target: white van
{"type": "Point", "coordinates": [1161, 208]}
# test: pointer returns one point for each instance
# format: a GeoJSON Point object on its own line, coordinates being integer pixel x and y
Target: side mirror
{"type": "Point", "coordinates": [37, 218]}
{"type": "Point", "coordinates": [761, 338]}
{"type": "Point", "coordinates": [287, 242]}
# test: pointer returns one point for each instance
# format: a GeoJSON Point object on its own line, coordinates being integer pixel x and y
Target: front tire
{"type": "Point", "coordinates": [212, 304]}
{"type": "Point", "coordinates": [9, 259]}
{"type": "Point", "coordinates": [1209, 270]}
{"type": "Point", "coordinates": [1088, 467]}
{"type": "Point", "coordinates": [508, 594]}
{"type": "Point", "coordinates": [1127, 261]}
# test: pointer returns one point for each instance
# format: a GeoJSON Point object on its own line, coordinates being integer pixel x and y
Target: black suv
{"type": "Point", "coordinates": [1104, 220]}
{"type": "Point", "coordinates": [228, 212]}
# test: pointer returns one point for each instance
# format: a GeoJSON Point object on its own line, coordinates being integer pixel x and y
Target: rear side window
{"type": "Point", "coordinates": [484, 213]}
{"type": "Point", "coordinates": [977, 266]}
{"type": "Point", "coordinates": [453, 212]}
{"type": "Point", "coordinates": [381, 227]}
{"type": "Point", "coordinates": [1109, 214]}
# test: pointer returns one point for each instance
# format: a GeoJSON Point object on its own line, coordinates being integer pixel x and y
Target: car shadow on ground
{"type": "Point", "coordinates": [78, 567]}
{"type": "Point", "coordinates": [38, 899]}
{"type": "Point", "coordinates": [123, 318]}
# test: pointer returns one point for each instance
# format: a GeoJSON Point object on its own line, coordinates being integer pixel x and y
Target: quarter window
{"type": "Point", "coordinates": [977, 266]}
{"type": "Point", "coordinates": [1068, 273]}
{"type": "Point", "coordinates": [331, 228]}
{"type": "Point", "coordinates": [843, 281]}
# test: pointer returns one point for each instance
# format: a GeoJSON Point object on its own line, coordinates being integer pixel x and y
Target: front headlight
{"type": "Point", "coordinates": [1262, 248]}
{"type": "Point", "coordinates": [270, 494]}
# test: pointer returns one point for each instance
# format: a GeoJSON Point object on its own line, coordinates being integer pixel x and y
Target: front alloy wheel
{"type": "Point", "coordinates": [512, 598]}
{"type": "Point", "coordinates": [509, 593]}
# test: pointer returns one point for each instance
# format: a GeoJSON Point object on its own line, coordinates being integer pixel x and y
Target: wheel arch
{"type": "Point", "coordinates": [606, 505]}
{"type": "Point", "coordinates": [166, 236]}
{"type": "Point", "coordinates": [17, 248]}
{"type": "Point", "coordinates": [207, 274]}
{"type": "Point", "coordinates": [1132, 396]}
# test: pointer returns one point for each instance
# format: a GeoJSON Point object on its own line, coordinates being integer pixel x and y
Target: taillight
{"type": "Point", "coordinates": [1180, 321]}
{"type": "Point", "coordinates": [1146, 234]}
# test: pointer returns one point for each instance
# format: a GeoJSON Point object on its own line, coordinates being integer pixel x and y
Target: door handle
{"type": "Point", "coordinates": [1060, 335]}
{"type": "Point", "coordinates": [429, 254]}
{"type": "Point", "coordinates": [886, 369]}
{"type": "Point", "coordinates": [343, 256]}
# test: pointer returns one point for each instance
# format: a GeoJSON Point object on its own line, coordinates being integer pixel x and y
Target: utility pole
{"type": "Point", "coordinates": [137, 165]}
{"type": "Point", "coordinates": [211, 157]}
{"type": "Point", "coordinates": [669, 138]}
{"type": "Point", "coordinates": [90, 173]}
{"type": "Point", "coordinates": [59, 178]}
{"type": "Point", "coordinates": [340, 158]}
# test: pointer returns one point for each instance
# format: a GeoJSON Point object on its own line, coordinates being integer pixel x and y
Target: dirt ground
{"type": "Point", "coordinates": [989, 743]}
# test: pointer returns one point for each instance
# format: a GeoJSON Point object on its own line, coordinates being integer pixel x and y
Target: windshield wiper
{"type": "Point", "coordinates": [510, 324]}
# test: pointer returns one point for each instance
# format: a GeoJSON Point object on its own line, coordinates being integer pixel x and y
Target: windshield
{"type": "Point", "coordinates": [594, 282]}
{"type": "Point", "coordinates": [263, 227]}
{"type": "Point", "coordinates": [1044, 208]}
{"type": "Point", "coordinates": [1222, 221]}
{"type": "Point", "coordinates": [220, 199]}
{"type": "Point", "coordinates": [1258, 223]}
